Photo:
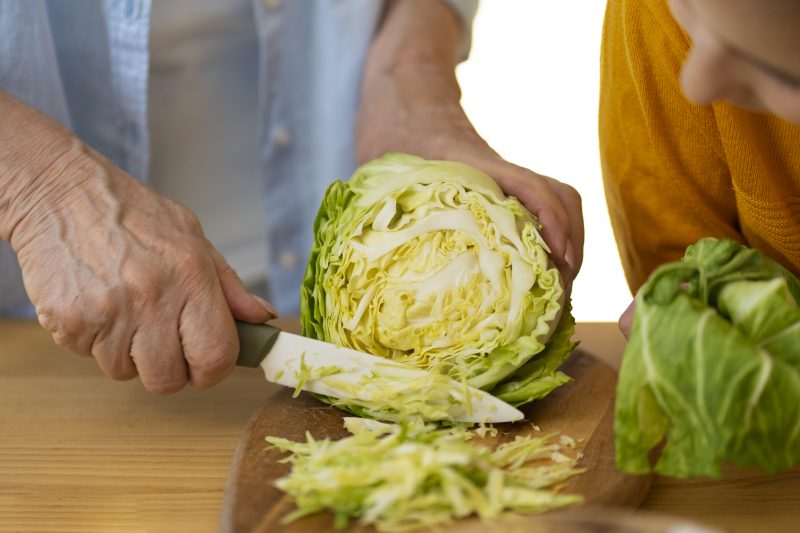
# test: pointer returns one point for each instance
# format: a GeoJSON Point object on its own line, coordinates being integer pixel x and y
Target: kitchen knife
{"type": "Point", "coordinates": [324, 368]}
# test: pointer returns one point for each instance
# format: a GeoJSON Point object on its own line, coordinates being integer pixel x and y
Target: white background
{"type": "Point", "coordinates": [530, 88]}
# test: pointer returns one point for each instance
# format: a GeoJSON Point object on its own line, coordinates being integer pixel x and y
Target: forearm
{"type": "Point", "coordinates": [411, 62]}
{"type": "Point", "coordinates": [415, 34]}
{"type": "Point", "coordinates": [34, 150]}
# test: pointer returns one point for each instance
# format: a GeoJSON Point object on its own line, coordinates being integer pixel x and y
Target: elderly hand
{"type": "Point", "coordinates": [556, 204]}
{"type": "Point", "coordinates": [119, 273]}
{"type": "Point", "coordinates": [410, 103]}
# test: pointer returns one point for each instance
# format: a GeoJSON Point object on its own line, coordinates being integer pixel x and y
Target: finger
{"type": "Point", "coordinates": [571, 200]}
{"type": "Point", "coordinates": [208, 337]}
{"type": "Point", "coordinates": [626, 319]}
{"type": "Point", "coordinates": [530, 188]}
{"type": "Point", "coordinates": [156, 352]}
{"type": "Point", "coordinates": [242, 304]}
{"type": "Point", "coordinates": [538, 196]}
{"type": "Point", "coordinates": [68, 327]}
{"type": "Point", "coordinates": [112, 350]}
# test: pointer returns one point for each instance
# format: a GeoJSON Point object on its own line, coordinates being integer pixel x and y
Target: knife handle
{"type": "Point", "coordinates": [255, 342]}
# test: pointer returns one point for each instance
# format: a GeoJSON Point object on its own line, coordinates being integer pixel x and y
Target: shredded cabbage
{"type": "Point", "coordinates": [430, 396]}
{"type": "Point", "coordinates": [411, 475]}
{"type": "Point", "coordinates": [311, 373]}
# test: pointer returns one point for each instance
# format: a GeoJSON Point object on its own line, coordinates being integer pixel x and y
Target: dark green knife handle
{"type": "Point", "coordinates": [255, 342]}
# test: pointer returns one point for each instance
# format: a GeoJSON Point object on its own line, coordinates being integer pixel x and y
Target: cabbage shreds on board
{"type": "Point", "coordinates": [429, 263]}
{"type": "Point", "coordinates": [429, 396]}
{"type": "Point", "coordinates": [413, 475]}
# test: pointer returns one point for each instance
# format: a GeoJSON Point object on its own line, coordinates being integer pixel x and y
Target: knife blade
{"type": "Point", "coordinates": [325, 368]}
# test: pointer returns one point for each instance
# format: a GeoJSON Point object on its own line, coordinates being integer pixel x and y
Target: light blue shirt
{"type": "Point", "coordinates": [202, 101]}
{"type": "Point", "coordinates": [85, 63]}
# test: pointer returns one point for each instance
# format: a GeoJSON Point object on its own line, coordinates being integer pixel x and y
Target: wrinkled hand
{"type": "Point", "coordinates": [400, 116]}
{"type": "Point", "coordinates": [124, 275]}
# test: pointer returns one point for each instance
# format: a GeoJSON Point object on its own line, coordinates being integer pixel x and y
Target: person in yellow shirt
{"type": "Point", "coordinates": [700, 128]}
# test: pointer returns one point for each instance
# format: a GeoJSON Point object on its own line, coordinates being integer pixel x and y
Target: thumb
{"type": "Point", "coordinates": [243, 305]}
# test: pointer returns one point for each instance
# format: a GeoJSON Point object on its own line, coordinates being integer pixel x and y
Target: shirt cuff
{"type": "Point", "coordinates": [465, 11]}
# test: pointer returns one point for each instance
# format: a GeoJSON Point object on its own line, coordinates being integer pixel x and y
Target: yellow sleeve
{"type": "Point", "coordinates": [666, 178]}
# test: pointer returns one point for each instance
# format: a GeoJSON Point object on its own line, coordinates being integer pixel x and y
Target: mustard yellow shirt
{"type": "Point", "coordinates": [675, 172]}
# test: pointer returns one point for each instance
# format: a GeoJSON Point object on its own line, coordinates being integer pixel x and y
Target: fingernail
{"type": "Point", "coordinates": [266, 305]}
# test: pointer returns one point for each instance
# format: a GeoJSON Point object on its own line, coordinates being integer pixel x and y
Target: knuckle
{"type": "Point", "coordinates": [187, 265]}
{"type": "Point", "coordinates": [121, 372]}
{"type": "Point", "coordinates": [197, 274]}
{"type": "Point", "coordinates": [144, 284]}
{"type": "Point", "coordinates": [65, 341]}
{"type": "Point", "coordinates": [47, 317]}
{"type": "Point", "coordinates": [195, 261]}
{"type": "Point", "coordinates": [227, 271]}
{"type": "Point", "coordinates": [114, 365]}
{"type": "Point", "coordinates": [575, 197]}
{"type": "Point", "coordinates": [189, 220]}
{"type": "Point", "coordinates": [104, 305]}
{"type": "Point", "coordinates": [190, 253]}
{"type": "Point", "coordinates": [164, 388]}
{"type": "Point", "coordinates": [572, 192]}
{"type": "Point", "coordinates": [64, 323]}
{"type": "Point", "coordinates": [210, 367]}
{"type": "Point", "coordinates": [83, 315]}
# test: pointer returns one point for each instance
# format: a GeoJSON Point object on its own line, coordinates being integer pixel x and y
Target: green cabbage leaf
{"type": "Point", "coordinates": [429, 263]}
{"type": "Point", "coordinates": [712, 365]}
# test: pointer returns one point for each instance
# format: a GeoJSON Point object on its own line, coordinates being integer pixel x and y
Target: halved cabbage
{"type": "Point", "coordinates": [429, 263]}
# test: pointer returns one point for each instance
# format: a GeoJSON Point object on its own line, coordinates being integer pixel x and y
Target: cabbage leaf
{"type": "Point", "coordinates": [712, 365]}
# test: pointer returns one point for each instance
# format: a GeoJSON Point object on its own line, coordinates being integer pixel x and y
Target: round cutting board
{"type": "Point", "coordinates": [582, 409]}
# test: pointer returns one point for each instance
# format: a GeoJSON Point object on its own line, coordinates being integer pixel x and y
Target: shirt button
{"type": "Point", "coordinates": [272, 4]}
{"type": "Point", "coordinates": [288, 260]}
{"type": "Point", "coordinates": [281, 137]}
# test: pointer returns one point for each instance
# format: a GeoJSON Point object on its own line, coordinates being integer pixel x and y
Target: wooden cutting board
{"type": "Point", "coordinates": [582, 409]}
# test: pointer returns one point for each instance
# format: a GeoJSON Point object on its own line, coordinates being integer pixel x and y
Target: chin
{"type": "Point", "coordinates": [750, 104]}
{"type": "Point", "coordinates": [758, 107]}
{"type": "Point", "coordinates": [786, 109]}
{"type": "Point", "coordinates": [793, 117]}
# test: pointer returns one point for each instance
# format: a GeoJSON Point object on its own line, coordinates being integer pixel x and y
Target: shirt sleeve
{"type": "Point", "coordinates": [465, 10]}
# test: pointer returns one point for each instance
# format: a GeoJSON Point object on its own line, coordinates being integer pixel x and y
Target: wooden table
{"type": "Point", "coordinates": [82, 453]}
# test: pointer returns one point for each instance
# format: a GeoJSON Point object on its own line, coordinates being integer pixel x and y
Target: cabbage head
{"type": "Point", "coordinates": [712, 366]}
{"type": "Point", "coordinates": [429, 263]}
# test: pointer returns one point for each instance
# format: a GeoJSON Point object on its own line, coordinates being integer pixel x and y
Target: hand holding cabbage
{"type": "Point", "coordinates": [427, 262]}
{"type": "Point", "coordinates": [713, 365]}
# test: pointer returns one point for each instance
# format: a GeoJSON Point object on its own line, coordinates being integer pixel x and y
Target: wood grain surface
{"type": "Point", "coordinates": [81, 453]}
{"type": "Point", "coordinates": [581, 409]}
